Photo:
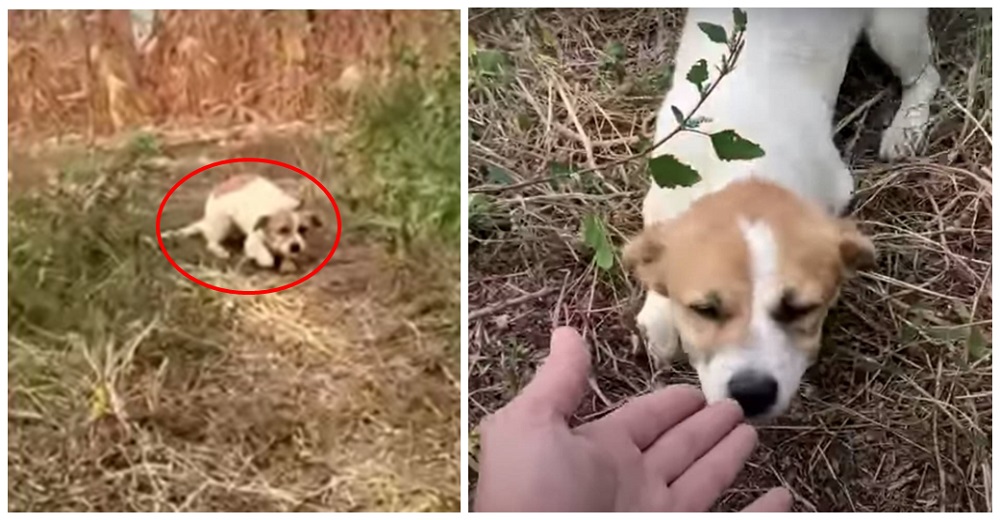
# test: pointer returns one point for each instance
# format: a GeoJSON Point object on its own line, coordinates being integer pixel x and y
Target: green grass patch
{"type": "Point", "coordinates": [87, 282]}
{"type": "Point", "coordinates": [407, 148]}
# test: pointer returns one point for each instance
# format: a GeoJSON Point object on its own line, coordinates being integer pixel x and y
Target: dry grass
{"type": "Point", "coordinates": [341, 394]}
{"type": "Point", "coordinates": [897, 416]}
{"type": "Point", "coordinates": [132, 389]}
{"type": "Point", "coordinates": [84, 72]}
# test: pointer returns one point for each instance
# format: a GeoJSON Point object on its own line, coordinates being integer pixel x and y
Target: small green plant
{"type": "Point", "coordinates": [480, 220]}
{"type": "Point", "coordinates": [408, 142]}
{"type": "Point", "coordinates": [487, 66]}
{"type": "Point", "coordinates": [143, 144]}
{"type": "Point", "coordinates": [77, 257]}
{"type": "Point", "coordinates": [90, 299]}
{"type": "Point", "coordinates": [613, 61]}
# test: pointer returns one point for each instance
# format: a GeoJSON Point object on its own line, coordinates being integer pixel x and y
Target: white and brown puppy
{"type": "Point", "coordinates": [273, 222]}
{"type": "Point", "coordinates": [741, 268]}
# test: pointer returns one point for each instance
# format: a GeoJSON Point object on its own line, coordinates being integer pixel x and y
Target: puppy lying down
{"type": "Point", "coordinates": [273, 223]}
{"type": "Point", "coordinates": [741, 268]}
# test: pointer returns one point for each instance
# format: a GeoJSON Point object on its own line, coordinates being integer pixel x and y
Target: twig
{"type": "Point", "coordinates": [968, 115]}
{"type": "Point", "coordinates": [493, 309]}
{"type": "Point", "coordinates": [587, 146]}
{"type": "Point", "coordinates": [863, 107]}
{"type": "Point", "coordinates": [602, 143]}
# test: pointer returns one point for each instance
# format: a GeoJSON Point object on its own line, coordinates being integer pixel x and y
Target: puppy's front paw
{"type": "Point", "coordinates": [905, 136]}
{"type": "Point", "coordinates": [264, 261]}
{"type": "Point", "coordinates": [218, 251]}
{"type": "Point", "coordinates": [287, 266]}
{"type": "Point", "coordinates": [657, 327]}
{"type": "Point", "coordinates": [908, 131]}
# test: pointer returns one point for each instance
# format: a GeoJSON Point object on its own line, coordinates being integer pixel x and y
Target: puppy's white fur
{"type": "Point", "coordinates": [781, 95]}
{"type": "Point", "coordinates": [243, 203]}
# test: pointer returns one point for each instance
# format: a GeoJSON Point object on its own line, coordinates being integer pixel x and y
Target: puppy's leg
{"type": "Point", "coordinates": [186, 231]}
{"type": "Point", "coordinates": [215, 231]}
{"type": "Point", "coordinates": [901, 39]}
{"type": "Point", "coordinates": [254, 248]}
{"type": "Point", "coordinates": [655, 320]}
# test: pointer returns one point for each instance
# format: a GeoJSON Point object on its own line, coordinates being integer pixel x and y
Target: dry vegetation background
{"type": "Point", "coordinates": [90, 73]}
{"type": "Point", "coordinates": [130, 388]}
{"type": "Point", "coordinates": [897, 416]}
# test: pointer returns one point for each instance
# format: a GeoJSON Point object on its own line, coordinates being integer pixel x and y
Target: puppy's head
{"type": "Point", "coordinates": [751, 272]}
{"type": "Point", "coordinates": [286, 232]}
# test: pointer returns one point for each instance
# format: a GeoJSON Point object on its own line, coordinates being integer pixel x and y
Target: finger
{"type": "Point", "coordinates": [678, 448]}
{"type": "Point", "coordinates": [702, 484]}
{"type": "Point", "coordinates": [561, 381]}
{"type": "Point", "coordinates": [645, 418]}
{"type": "Point", "coordinates": [777, 500]}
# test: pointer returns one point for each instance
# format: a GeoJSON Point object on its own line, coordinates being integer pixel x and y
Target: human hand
{"type": "Point", "coordinates": [665, 451]}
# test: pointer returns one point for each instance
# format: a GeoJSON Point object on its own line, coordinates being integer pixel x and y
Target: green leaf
{"type": "Point", "coordinates": [665, 79]}
{"type": "Point", "coordinates": [604, 259]}
{"type": "Point", "coordinates": [668, 172]}
{"type": "Point", "coordinates": [559, 172]}
{"type": "Point", "coordinates": [593, 231]}
{"type": "Point", "coordinates": [678, 115]}
{"type": "Point", "coordinates": [977, 345]}
{"type": "Point", "coordinates": [947, 334]}
{"type": "Point", "coordinates": [714, 32]}
{"type": "Point", "coordinates": [729, 146]}
{"type": "Point", "coordinates": [698, 74]}
{"type": "Point", "coordinates": [525, 122]}
{"type": "Point", "coordinates": [490, 61]}
{"type": "Point", "coordinates": [477, 202]}
{"type": "Point", "coordinates": [472, 48]}
{"type": "Point", "coordinates": [739, 19]}
{"type": "Point", "coordinates": [596, 238]}
{"type": "Point", "coordinates": [549, 39]}
{"type": "Point", "coordinates": [615, 51]}
{"type": "Point", "coordinates": [497, 175]}
{"type": "Point", "coordinates": [559, 169]}
{"type": "Point", "coordinates": [479, 208]}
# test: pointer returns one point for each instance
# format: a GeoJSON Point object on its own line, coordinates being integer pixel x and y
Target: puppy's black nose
{"type": "Point", "coordinates": [295, 248]}
{"type": "Point", "coordinates": [756, 392]}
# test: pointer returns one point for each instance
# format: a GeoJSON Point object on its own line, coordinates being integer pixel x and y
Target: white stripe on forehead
{"type": "Point", "coordinates": [762, 253]}
{"type": "Point", "coordinates": [768, 347]}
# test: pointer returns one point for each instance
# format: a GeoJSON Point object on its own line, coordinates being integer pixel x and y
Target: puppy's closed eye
{"type": "Point", "coordinates": [707, 311]}
{"type": "Point", "coordinates": [710, 308]}
{"type": "Point", "coordinates": [788, 310]}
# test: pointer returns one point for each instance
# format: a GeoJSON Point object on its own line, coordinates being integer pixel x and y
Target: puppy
{"type": "Point", "coordinates": [741, 268]}
{"type": "Point", "coordinates": [273, 222]}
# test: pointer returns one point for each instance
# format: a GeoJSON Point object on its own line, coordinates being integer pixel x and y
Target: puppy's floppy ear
{"type": "Point", "coordinates": [261, 222]}
{"type": "Point", "coordinates": [314, 219]}
{"type": "Point", "coordinates": [856, 250]}
{"type": "Point", "coordinates": [643, 253]}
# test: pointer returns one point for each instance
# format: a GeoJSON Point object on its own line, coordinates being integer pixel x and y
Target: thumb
{"type": "Point", "coordinates": [777, 500]}
{"type": "Point", "coordinates": [561, 382]}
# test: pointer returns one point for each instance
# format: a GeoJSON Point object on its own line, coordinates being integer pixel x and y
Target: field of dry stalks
{"type": "Point", "coordinates": [132, 389]}
{"type": "Point", "coordinates": [897, 415]}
